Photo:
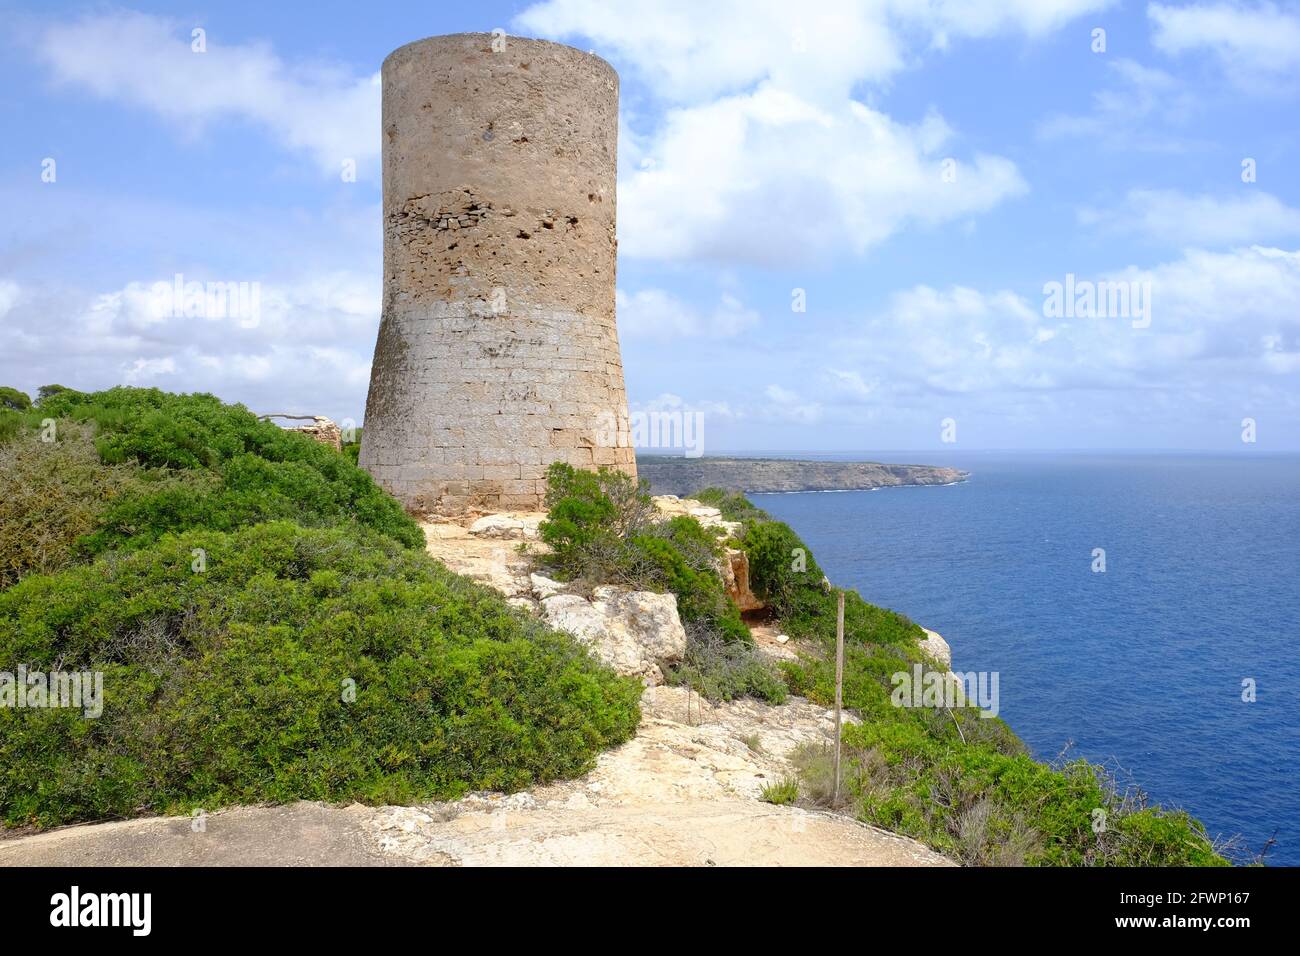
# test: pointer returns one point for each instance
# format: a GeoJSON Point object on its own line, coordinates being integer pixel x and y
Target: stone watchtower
{"type": "Point", "coordinates": [497, 351]}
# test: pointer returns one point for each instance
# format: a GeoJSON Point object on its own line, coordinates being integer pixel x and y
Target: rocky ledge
{"type": "Point", "coordinates": [682, 476]}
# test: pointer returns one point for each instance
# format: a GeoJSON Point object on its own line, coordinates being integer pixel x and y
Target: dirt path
{"type": "Point", "coordinates": [681, 793]}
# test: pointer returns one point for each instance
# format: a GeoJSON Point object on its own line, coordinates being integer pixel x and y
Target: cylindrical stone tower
{"type": "Point", "coordinates": [497, 352]}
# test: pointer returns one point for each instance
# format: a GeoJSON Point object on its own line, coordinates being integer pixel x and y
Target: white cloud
{"type": "Point", "coordinates": [669, 402]}
{"type": "Point", "coordinates": [142, 369]}
{"type": "Point", "coordinates": [1253, 42]}
{"type": "Point", "coordinates": [1202, 220]}
{"type": "Point", "coordinates": [8, 297]}
{"type": "Point", "coordinates": [786, 405]}
{"type": "Point", "coordinates": [984, 18]}
{"type": "Point", "coordinates": [1217, 319]}
{"type": "Point", "coordinates": [851, 385]}
{"type": "Point", "coordinates": [1132, 113]}
{"type": "Point", "coordinates": [657, 314]}
{"type": "Point", "coordinates": [310, 352]}
{"type": "Point", "coordinates": [765, 154]}
{"type": "Point", "coordinates": [768, 178]}
{"type": "Point", "coordinates": [690, 51]}
{"type": "Point", "coordinates": [147, 61]}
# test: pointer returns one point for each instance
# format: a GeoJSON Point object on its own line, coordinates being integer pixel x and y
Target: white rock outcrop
{"type": "Point", "coordinates": [936, 647]}
{"type": "Point", "coordinates": [544, 587]}
{"type": "Point", "coordinates": [515, 525]}
{"type": "Point", "coordinates": [670, 506]}
{"type": "Point", "coordinates": [638, 633]}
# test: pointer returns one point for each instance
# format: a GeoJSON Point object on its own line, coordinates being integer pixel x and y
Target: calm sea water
{"type": "Point", "coordinates": [1142, 665]}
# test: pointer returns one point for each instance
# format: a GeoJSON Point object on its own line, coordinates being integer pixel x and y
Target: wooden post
{"type": "Point", "coordinates": [839, 690]}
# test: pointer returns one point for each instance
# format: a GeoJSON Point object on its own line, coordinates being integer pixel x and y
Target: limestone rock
{"type": "Point", "coordinates": [489, 561]}
{"type": "Point", "coordinates": [670, 506]}
{"type": "Point", "coordinates": [735, 576]}
{"type": "Point", "coordinates": [516, 525]}
{"type": "Point", "coordinates": [936, 647]}
{"type": "Point", "coordinates": [544, 587]}
{"type": "Point", "coordinates": [637, 633]}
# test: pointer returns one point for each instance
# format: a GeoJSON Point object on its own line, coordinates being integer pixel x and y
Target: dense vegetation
{"type": "Point", "coordinates": [961, 782]}
{"type": "Point", "coordinates": [602, 528]}
{"type": "Point", "coordinates": [119, 469]}
{"type": "Point", "coordinates": [269, 628]}
{"type": "Point", "coordinates": [266, 622]}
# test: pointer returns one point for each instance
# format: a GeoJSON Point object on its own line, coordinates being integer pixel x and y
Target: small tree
{"type": "Point", "coordinates": [13, 399]}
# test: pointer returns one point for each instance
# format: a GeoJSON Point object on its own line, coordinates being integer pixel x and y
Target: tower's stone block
{"type": "Point", "coordinates": [497, 352]}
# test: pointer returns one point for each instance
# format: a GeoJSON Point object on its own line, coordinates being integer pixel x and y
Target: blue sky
{"type": "Point", "coordinates": [921, 170]}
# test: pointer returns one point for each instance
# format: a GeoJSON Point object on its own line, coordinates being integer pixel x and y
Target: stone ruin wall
{"type": "Point", "coordinates": [497, 351]}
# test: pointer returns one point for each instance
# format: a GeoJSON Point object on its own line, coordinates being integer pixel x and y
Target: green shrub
{"type": "Point", "coordinates": [54, 494]}
{"type": "Point", "coordinates": [991, 808]}
{"type": "Point", "coordinates": [11, 425]}
{"type": "Point", "coordinates": [48, 391]}
{"type": "Point", "coordinates": [231, 684]}
{"type": "Point", "coordinates": [719, 668]}
{"type": "Point", "coordinates": [203, 464]}
{"type": "Point", "coordinates": [733, 505]}
{"type": "Point", "coordinates": [782, 793]}
{"type": "Point", "coordinates": [601, 530]}
{"type": "Point", "coordinates": [14, 400]}
{"type": "Point", "coordinates": [352, 449]}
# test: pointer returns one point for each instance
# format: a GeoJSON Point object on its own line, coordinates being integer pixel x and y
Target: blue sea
{"type": "Point", "coordinates": [1140, 667]}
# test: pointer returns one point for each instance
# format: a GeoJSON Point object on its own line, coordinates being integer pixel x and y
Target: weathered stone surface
{"type": "Point", "coordinates": [518, 525]}
{"type": "Point", "coordinates": [322, 429]}
{"type": "Point", "coordinates": [671, 506]}
{"type": "Point", "coordinates": [635, 632]}
{"type": "Point", "coordinates": [735, 576]}
{"type": "Point", "coordinates": [490, 561]}
{"type": "Point", "coordinates": [936, 647]}
{"type": "Point", "coordinates": [544, 587]}
{"type": "Point", "coordinates": [497, 351]}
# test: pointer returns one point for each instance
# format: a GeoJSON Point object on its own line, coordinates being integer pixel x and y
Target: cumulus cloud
{"type": "Point", "coordinates": [1201, 220]}
{"type": "Point", "coordinates": [1216, 318]}
{"type": "Point", "coordinates": [764, 154]}
{"type": "Point", "coordinates": [1255, 43]}
{"type": "Point", "coordinates": [308, 348]}
{"type": "Point", "coordinates": [691, 52]}
{"type": "Point", "coordinates": [658, 314]}
{"type": "Point", "coordinates": [147, 61]}
{"type": "Point", "coordinates": [770, 179]}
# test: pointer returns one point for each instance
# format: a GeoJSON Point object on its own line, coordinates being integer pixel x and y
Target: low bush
{"type": "Point", "coordinates": [720, 669]}
{"type": "Point", "coordinates": [601, 530]}
{"type": "Point", "coordinates": [987, 807]}
{"type": "Point", "coordinates": [782, 793]}
{"type": "Point", "coordinates": [54, 494]}
{"type": "Point", "coordinates": [277, 663]}
{"type": "Point", "coordinates": [127, 466]}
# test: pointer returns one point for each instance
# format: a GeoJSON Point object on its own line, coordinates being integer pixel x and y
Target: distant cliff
{"type": "Point", "coordinates": [682, 476]}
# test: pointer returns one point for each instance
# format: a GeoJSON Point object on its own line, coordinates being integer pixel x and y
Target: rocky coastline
{"type": "Point", "coordinates": [670, 475]}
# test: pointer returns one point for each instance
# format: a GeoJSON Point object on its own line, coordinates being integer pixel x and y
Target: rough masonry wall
{"type": "Point", "coordinates": [497, 351]}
